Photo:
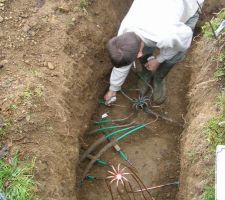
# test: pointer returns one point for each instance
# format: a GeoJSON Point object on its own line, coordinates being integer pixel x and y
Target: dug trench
{"type": "Point", "coordinates": [64, 93]}
{"type": "Point", "coordinates": [154, 150]}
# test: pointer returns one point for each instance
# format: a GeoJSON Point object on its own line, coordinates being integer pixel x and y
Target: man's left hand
{"type": "Point", "coordinates": [152, 65]}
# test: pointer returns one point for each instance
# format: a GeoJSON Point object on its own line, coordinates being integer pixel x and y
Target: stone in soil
{"type": "Point", "coordinates": [1, 19]}
{"type": "Point", "coordinates": [51, 66]}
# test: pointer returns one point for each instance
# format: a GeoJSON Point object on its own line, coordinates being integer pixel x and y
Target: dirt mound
{"type": "Point", "coordinates": [197, 162]}
{"type": "Point", "coordinates": [51, 55]}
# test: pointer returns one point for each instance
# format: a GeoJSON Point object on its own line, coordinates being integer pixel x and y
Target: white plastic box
{"type": "Point", "coordinates": [220, 172]}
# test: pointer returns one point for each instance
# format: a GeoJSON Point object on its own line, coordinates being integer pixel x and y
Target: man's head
{"type": "Point", "coordinates": [123, 50]}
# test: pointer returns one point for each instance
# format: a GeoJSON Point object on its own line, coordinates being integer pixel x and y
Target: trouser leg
{"type": "Point", "coordinates": [159, 84]}
{"type": "Point", "coordinates": [145, 74]}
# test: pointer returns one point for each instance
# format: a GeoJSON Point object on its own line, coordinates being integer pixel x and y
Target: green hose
{"type": "Point", "coordinates": [87, 153]}
{"type": "Point", "coordinates": [116, 132]}
{"type": "Point", "coordinates": [123, 155]}
{"type": "Point", "coordinates": [106, 128]}
{"type": "Point", "coordinates": [102, 162]}
{"type": "Point", "coordinates": [90, 178]}
{"type": "Point", "coordinates": [103, 122]}
{"type": "Point", "coordinates": [109, 145]}
{"type": "Point", "coordinates": [130, 132]}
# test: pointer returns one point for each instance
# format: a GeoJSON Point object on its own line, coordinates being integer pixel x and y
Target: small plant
{"type": "Point", "coordinates": [37, 73]}
{"type": "Point", "coordinates": [220, 72]}
{"type": "Point", "coordinates": [13, 107]}
{"type": "Point", "coordinates": [215, 133]}
{"type": "Point", "coordinates": [191, 154]}
{"type": "Point", "coordinates": [38, 91]}
{"type": "Point", "coordinates": [221, 102]}
{"type": "Point", "coordinates": [16, 181]}
{"type": "Point", "coordinates": [84, 4]}
{"type": "Point", "coordinates": [215, 129]}
{"type": "Point", "coordinates": [4, 128]}
{"type": "Point", "coordinates": [27, 94]}
{"type": "Point", "coordinates": [2, 131]}
{"type": "Point", "coordinates": [207, 30]}
{"type": "Point", "coordinates": [209, 193]}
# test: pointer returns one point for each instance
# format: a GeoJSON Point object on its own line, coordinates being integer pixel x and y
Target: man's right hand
{"type": "Point", "coordinates": [109, 95]}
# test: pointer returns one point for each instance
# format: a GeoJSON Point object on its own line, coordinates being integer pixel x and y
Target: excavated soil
{"type": "Point", "coordinates": [53, 68]}
{"type": "Point", "coordinates": [153, 151]}
{"type": "Point", "coordinates": [53, 57]}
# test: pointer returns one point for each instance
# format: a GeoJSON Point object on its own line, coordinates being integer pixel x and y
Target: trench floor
{"type": "Point", "coordinates": [154, 151]}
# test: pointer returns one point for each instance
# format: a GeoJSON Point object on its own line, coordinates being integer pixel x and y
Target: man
{"type": "Point", "coordinates": [164, 24]}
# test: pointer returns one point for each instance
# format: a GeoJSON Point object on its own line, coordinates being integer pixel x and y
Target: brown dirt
{"type": "Point", "coordinates": [54, 62]}
{"type": "Point", "coordinates": [197, 162]}
{"type": "Point", "coordinates": [50, 56]}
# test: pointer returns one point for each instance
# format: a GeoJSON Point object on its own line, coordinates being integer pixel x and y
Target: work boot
{"type": "Point", "coordinates": [159, 82]}
{"type": "Point", "coordinates": [145, 78]}
{"type": "Point", "coordinates": [159, 94]}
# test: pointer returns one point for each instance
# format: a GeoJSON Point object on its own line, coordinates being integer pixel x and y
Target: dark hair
{"type": "Point", "coordinates": [123, 50]}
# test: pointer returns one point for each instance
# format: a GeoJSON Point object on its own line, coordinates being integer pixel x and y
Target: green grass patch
{"type": "Point", "coordinates": [4, 129]}
{"type": "Point", "coordinates": [27, 94]}
{"type": "Point", "coordinates": [215, 129]}
{"type": "Point", "coordinates": [206, 28]}
{"type": "Point", "coordinates": [209, 193]}
{"type": "Point", "coordinates": [220, 72]}
{"type": "Point", "coordinates": [16, 179]}
{"type": "Point", "coordinates": [84, 4]}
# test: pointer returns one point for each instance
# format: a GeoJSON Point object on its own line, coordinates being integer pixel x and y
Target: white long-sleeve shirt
{"type": "Point", "coordinates": [161, 24]}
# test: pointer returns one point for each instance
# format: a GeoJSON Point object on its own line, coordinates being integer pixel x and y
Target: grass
{"type": "Point", "coordinates": [220, 72]}
{"type": "Point", "coordinates": [191, 154]}
{"type": "Point", "coordinates": [16, 181]}
{"type": "Point", "coordinates": [209, 193]}
{"type": "Point", "coordinates": [27, 94]}
{"type": "Point", "coordinates": [4, 129]}
{"type": "Point", "coordinates": [215, 129]}
{"type": "Point", "coordinates": [84, 4]}
{"type": "Point", "coordinates": [207, 31]}
{"type": "Point", "coordinates": [31, 92]}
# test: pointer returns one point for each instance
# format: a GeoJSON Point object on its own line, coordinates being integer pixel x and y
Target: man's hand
{"type": "Point", "coordinates": [152, 65]}
{"type": "Point", "coordinates": [109, 95]}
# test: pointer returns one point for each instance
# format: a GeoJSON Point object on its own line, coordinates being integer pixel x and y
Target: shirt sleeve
{"type": "Point", "coordinates": [166, 54]}
{"type": "Point", "coordinates": [118, 77]}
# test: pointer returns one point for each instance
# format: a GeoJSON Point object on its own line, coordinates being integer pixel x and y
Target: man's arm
{"type": "Point", "coordinates": [118, 77]}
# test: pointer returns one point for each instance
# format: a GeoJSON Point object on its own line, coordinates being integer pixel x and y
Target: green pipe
{"type": "Point", "coordinates": [90, 178]}
{"type": "Point", "coordinates": [123, 155]}
{"type": "Point", "coordinates": [102, 122]}
{"type": "Point", "coordinates": [116, 132]}
{"type": "Point", "coordinates": [130, 132]}
{"type": "Point", "coordinates": [87, 153]}
{"type": "Point", "coordinates": [106, 128]}
{"type": "Point", "coordinates": [109, 145]}
{"type": "Point", "coordinates": [102, 162]}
